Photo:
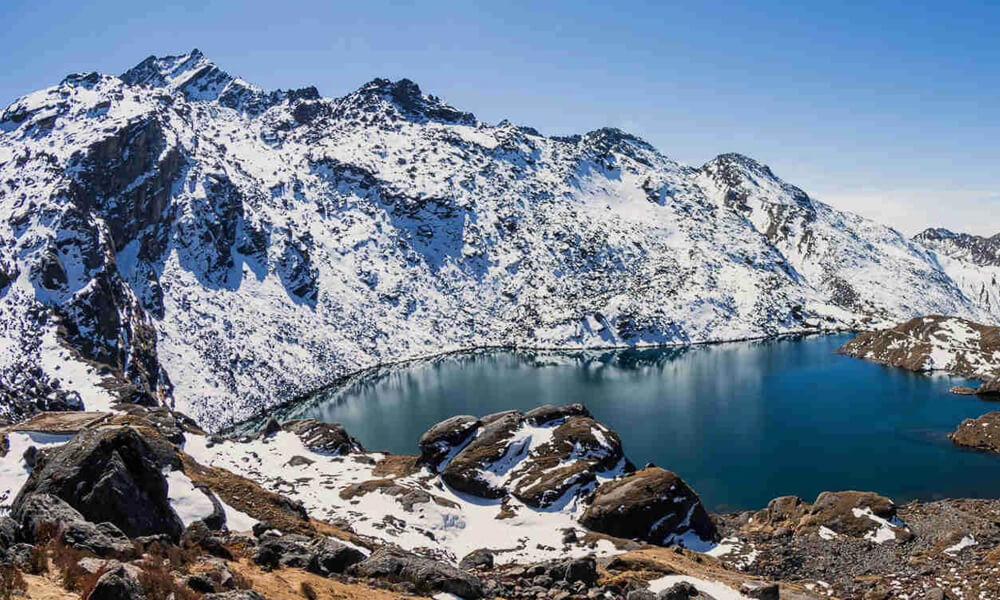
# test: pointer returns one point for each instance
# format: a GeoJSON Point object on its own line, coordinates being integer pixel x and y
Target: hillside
{"type": "Point", "coordinates": [177, 235]}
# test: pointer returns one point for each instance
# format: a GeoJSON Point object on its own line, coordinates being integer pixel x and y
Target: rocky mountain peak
{"type": "Point", "coordinates": [405, 99]}
{"type": "Point", "coordinates": [977, 249]}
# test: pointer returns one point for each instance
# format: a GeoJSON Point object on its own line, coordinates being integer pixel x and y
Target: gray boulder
{"type": "Point", "coordinates": [235, 595]}
{"type": "Point", "coordinates": [117, 584]}
{"type": "Point", "coordinates": [109, 474]}
{"type": "Point", "coordinates": [438, 441]}
{"type": "Point", "coordinates": [465, 472]}
{"type": "Point", "coordinates": [331, 556]}
{"type": "Point", "coordinates": [425, 574]}
{"type": "Point", "coordinates": [45, 513]}
{"type": "Point", "coordinates": [547, 413]}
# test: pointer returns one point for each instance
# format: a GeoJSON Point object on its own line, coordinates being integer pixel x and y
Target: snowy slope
{"type": "Point", "coordinates": [200, 241]}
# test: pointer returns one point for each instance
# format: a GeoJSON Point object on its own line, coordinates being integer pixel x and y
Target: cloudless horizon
{"type": "Point", "coordinates": [886, 109]}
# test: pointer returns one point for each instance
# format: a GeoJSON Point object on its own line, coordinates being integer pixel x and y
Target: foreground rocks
{"type": "Point", "coordinates": [111, 474]}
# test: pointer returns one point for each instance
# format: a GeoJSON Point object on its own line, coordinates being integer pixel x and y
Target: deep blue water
{"type": "Point", "coordinates": [742, 422]}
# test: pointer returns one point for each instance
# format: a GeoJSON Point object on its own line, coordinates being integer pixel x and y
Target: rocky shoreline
{"type": "Point", "coordinates": [536, 505]}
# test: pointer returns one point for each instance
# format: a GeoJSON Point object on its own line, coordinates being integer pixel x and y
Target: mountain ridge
{"type": "Point", "coordinates": [205, 243]}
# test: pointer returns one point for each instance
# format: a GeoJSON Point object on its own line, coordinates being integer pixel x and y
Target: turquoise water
{"type": "Point", "coordinates": [741, 422]}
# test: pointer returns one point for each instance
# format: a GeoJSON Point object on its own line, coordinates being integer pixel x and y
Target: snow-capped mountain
{"type": "Point", "coordinates": [176, 234]}
{"type": "Point", "coordinates": [972, 261]}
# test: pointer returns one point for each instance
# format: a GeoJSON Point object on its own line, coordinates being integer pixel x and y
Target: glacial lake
{"type": "Point", "coordinates": [741, 422]}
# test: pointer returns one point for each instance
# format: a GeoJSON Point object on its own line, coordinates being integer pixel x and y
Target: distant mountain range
{"type": "Point", "coordinates": [178, 235]}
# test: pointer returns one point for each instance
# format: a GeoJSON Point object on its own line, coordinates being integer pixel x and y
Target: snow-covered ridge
{"type": "Point", "coordinates": [199, 241]}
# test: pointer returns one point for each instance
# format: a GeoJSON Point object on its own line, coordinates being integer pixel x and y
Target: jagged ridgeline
{"type": "Point", "coordinates": [178, 235]}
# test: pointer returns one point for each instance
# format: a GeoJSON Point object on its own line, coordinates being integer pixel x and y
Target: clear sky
{"type": "Point", "coordinates": [889, 109]}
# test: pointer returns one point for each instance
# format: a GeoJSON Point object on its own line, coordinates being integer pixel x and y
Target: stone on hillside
{"type": "Point", "coordinates": [477, 559]}
{"type": "Point", "coordinates": [8, 532]}
{"type": "Point", "coordinates": [117, 584]}
{"type": "Point", "coordinates": [438, 441]}
{"type": "Point", "coordinates": [761, 591]}
{"type": "Point", "coordinates": [45, 514]}
{"type": "Point", "coordinates": [426, 574]}
{"type": "Point", "coordinates": [331, 556]}
{"type": "Point", "coordinates": [235, 595]}
{"type": "Point", "coordinates": [466, 471]}
{"type": "Point", "coordinates": [856, 514]}
{"type": "Point", "coordinates": [982, 433]}
{"type": "Point", "coordinates": [323, 438]}
{"type": "Point", "coordinates": [681, 590]}
{"type": "Point", "coordinates": [109, 474]}
{"type": "Point", "coordinates": [652, 505]}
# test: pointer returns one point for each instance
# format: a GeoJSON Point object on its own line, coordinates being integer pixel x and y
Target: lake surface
{"type": "Point", "coordinates": [742, 423]}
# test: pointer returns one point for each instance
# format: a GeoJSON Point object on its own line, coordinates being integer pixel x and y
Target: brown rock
{"type": "Point", "coordinates": [652, 505]}
{"type": "Point", "coordinates": [466, 471]}
{"type": "Point", "coordinates": [982, 433]}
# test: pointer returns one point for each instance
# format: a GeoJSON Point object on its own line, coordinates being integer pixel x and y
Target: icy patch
{"type": "Point", "coordinates": [190, 503]}
{"type": "Point", "coordinates": [965, 542]}
{"type": "Point", "coordinates": [237, 520]}
{"type": "Point", "coordinates": [74, 375]}
{"type": "Point", "coordinates": [826, 533]}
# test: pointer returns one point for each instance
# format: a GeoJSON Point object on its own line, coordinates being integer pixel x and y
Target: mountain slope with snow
{"type": "Point", "coordinates": [178, 235]}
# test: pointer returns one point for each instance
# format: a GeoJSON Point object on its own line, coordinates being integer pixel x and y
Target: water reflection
{"type": "Point", "coordinates": [742, 422]}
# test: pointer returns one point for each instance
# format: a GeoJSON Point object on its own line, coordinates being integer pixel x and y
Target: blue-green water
{"type": "Point", "coordinates": [741, 422]}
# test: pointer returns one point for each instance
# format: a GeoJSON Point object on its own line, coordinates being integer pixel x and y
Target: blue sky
{"type": "Point", "coordinates": [889, 109]}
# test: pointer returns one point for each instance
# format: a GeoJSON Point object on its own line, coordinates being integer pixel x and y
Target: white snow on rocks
{"type": "Point", "coordinates": [886, 529]}
{"type": "Point", "coordinates": [715, 589]}
{"type": "Point", "coordinates": [451, 523]}
{"type": "Point", "coordinates": [966, 542]}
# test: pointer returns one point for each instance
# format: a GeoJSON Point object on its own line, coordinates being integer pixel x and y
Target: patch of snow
{"type": "Point", "coordinates": [13, 470]}
{"type": "Point", "coordinates": [965, 542]}
{"type": "Point", "coordinates": [715, 589]}
{"type": "Point", "coordinates": [190, 503]}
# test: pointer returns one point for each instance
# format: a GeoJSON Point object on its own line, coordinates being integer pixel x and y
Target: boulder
{"type": "Point", "coordinates": [681, 590]}
{"type": "Point", "coordinates": [761, 591]}
{"type": "Point", "coordinates": [652, 505]}
{"type": "Point", "coordinates": [439, 441]}
{"type": "Point", "coordinates": [45, 513]}
{"type": "Point", "coordinates": [235, 595]}
{"type": "Point", "coordinates": [426, 574]}
{"type": "Point", "coordinates": [323, 438]}
{"type": "Point", "coordinates": [856, 514]}
{"type": "Point", "coordinates": [782, 511]}
{"type": "Point", "coordinates": [547, 413]}
{"type": "Point", "coordinates": [331, 556]}
{"type": "Point", "coordinates": [477, 559]}
{"type": "Point", "coordinates": [109, 474]}
{"type": "Point", "coordinates": [284, 551]}
{"type": "Point", "coordinates": [580, 448]}
{"type": "Point", "coordinates": [982, 433]}
{"type": "Point", "coordinates": [117, 584]}
{"type": "Point", "coordinates": [466, 471]}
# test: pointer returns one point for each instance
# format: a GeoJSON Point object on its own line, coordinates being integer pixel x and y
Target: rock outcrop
{"type": "Point", "coordinates": [427, 575]}
{"type": "Point", "coordinates": [110, 474]}
{"type": "Point", "coordinates": [934, 343]}
{"type": "Point", "coordinates": [982, 433]}
{"type": "Point", "coordinates": [653, 505]}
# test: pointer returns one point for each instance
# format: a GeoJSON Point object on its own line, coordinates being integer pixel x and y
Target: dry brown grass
{"type": "Point", "coordinates": [11, 583]}
{"type": "Point", "coordinates": [158, 584]}
{"type": "Point", "coordinates": [286, 584]}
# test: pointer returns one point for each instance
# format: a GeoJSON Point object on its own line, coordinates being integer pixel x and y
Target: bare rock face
{"type": "Point", "coordinates": [109, 474]}
{"type": "Point", "coordinates": [325, 438]}
{"type": "Point", "coordinates": [990, 388]}
{"type": "Point", "coordinates": [653, 505]}
{"type": "Point", "coordinates": [41, 514]}
{"type": "Point", "coordinates": [440, 440]}
{"type": "Point", "coordinates": [580, 448]}
{"type": "Point", "coordinates": [548, 412]}
{"type": "Point", "coordinates": [471, 470]}
{"type": "Point", "coordinates": [982, 433]}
